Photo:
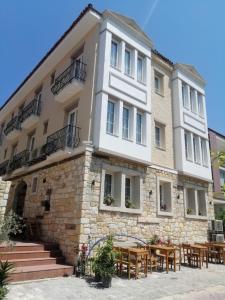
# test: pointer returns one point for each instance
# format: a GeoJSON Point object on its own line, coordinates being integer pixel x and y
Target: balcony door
{"type": "Point", "coordinates": [78, 60]}
{"type": "Point", "coordinates": [72, 122]}
{"type": "Point", "coordinates": [30, 145]}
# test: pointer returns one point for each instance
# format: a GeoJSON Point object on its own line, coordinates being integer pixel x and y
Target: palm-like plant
{"type": "Point", "coordinates": [5, 270]}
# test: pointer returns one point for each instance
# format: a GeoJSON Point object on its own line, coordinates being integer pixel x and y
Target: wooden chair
{"type": "Point", "coordinates": [186, 252]}
{"type": "Point", "coordinates": [124, 262]}
{"type": "Point", "coordinates": [138, 263]}
{"type": "Point", "coordinates": [177, 257]}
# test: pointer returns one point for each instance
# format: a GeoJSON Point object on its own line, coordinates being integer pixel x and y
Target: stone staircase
{"type": "Point", "coordinates": [35, 261]}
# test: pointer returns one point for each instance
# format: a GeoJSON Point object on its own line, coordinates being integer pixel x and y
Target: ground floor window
{"type": "Point", "coordinates": [120, 189]}
{"type": "Point", "coordinates": [164, 197]}
{"type": "Point", "coordinates": [196, 202]}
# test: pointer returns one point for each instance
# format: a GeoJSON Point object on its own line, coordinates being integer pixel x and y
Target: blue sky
{"type": "Point", "coordinates": [188, 31]}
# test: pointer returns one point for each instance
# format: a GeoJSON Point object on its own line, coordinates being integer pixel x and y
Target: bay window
{"type": "Point", "coordinates": [139, 128]}
{"type": "Point", "coordinates": [188, 145]}
{"type": "Point", "coordinates": [126, 121]}
{"type": "Point", "coordinates": [193, 101]}
{"type": "Point", "coordinates": [204, 153]}
{"type": "Point", "coordinates": [114, 54]}
{"type": "Point", "coordinates": [110, 125]}
{"type": "Point", "coordinates": [140, 69]}
{"type": "Point", "coordinates": [128, 62]}
{"type": "Point", "coordinates": [185, 95]}
{"type": "Point", "coordinates": [196, 147]}
{"type": "Point", "coordinates": [200, 105]}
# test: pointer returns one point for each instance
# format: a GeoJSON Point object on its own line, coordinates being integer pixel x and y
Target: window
{"type": "Point", "coordinates": [30, 146]}
{"type": "Point", "coordinates": [222, 179]}
{"type": "Point", "coordinates": [200, 105]}
{"type": "Point", "coordinates": [139, 128]}
{"type": "Point", "coordinates": [196, 147]}
{"type": "Point", "coordinates": [204, 153]}
{"type": "Point", "coordinates": [193, 101]}
{"type": "Point", "coordinates": [188, 145]}
{"type": "Point", "coordinates": [164, 187]}
{"type": "Point", "coordinates": [5, 153]}
{"type": "Point", "coordinates": [127, 62]}
{"type": "Point", "coordinates": [158, 83]}
{"type": "Point", "coordinates": [45, 127]}
{"type": "Point", "coordinates": [52, 79]}
{"type": "Point", "coordinates": [108, 185]}
{"type": "Point", "coordinates": [126, 121]}
{"type": "Point", "coordinates": [196, 202]}
{"type": "Point", "coordinates": [34, 185]}
{"type": "Point", "coordinates": [114, 54]}
{"type": "Point", "coordinates": [121, 189]}
{"type": "Point", "coordinates": [140, 69]}
{"type": "Point", "coordinates": [160, 136]}
{"type": "Point", "coordinates": [185, 95]}
{"type": "Point", "coordinates": [110, 117]}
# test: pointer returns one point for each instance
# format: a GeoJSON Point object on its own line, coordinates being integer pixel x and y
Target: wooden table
{"type": "Point", "coordinates": [140, 254]}
{"type": "Point", "coordinates": [167, 250]}
{"type": "Point", "coordinates": [203, 252]}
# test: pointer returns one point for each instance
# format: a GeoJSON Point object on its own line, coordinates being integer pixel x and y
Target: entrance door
{"type": "Point", "coordinates": [72, 121]}
{"type": "Point", "coordinates": [19, 198]}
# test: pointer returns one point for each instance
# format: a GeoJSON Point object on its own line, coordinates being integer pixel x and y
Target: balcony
{"type": "Point", "coordinates": [29, 116]}
{"type": "Point", "coordinates": [18, 161]}
{"type": "Point", "coordinates": [12, 129]}
{"type": "Point", "coordinates": [3, 167]}
{"type": "Point", "coordinates": [60, 144]}
{"type": "Point", "coordinates": [69, 82]}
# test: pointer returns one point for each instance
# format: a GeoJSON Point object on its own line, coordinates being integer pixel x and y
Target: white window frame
{"type": "Point", "coordinates": [129, 73]}
{"type": "Point", "coordinates": [168, 181]}
{"type": "Point", "coordinates": [193, 101]}
{"type": "Point", "coordinates": [204, 152]}
{"type": "Point", "coordinates": [188, 148]}
{"type": "Point", "coordinates": [196, 149]}
{"type": "Point", "coordinates": [142, 79]}
{"type": "Point", "coordinates": [162, 136]}
{"type": "Point", "coordinates": [124, 172]}
{"type": "Point", "coordinates": [117, 54]}
{"type": "Point", "coordinates": [142, 128]}
{"type": "Point", "coordinates": [129, 123]}
{"type": "Point", "coordinates": [160, 77]}
{"type": "Point", "coordinates": [196, 215]}
{"type": "Point", "coordinates": [114, 117]}
{"type": "Point", "coordinates": [36, 190]}
{"type": "Point", "coordinates": [201, 108]}
{"type": "Point", "coordinates": [185, 97]}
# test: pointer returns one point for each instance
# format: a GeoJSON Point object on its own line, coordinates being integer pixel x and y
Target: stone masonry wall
{"type": "Point", "coordinates": [4, 191]}
{"type": "Point", "coordinates": [96, 224]}
{"type": "Point", "coordinates": [61, 223]}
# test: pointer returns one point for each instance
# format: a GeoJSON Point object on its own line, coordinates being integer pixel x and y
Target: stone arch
{"type": "Point", "coordinates": [19, 198]}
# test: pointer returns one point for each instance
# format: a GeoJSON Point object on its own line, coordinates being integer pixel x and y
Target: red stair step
{"type": "Point", "coordinates": [40, 272]}
{"type": "Point", "coordinates": [37, 261]}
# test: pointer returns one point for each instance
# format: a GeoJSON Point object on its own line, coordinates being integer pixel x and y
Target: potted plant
{"type": "Point", "coordinates": [189, 211]}
{"type": "Point", "coordinates": [108, 200]}
{"type": "Point", "coordinates": [81, 262]}
{"type": "Point", "coordinates": [104, 262]}
{"type": "Point", "coordinates": [129, 204]}
{"type": "Point", "coordinates": [154, 240]}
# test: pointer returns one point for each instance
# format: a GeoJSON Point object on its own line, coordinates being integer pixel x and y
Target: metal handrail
{"type": "Point", "coordinates": [12, 124]}
{"type": "Point", "coordinates": [33, 108]}
{"type": "Point", "coordinates": [77, 70]}
{"type": "Point", "coordinates": [18, 161]}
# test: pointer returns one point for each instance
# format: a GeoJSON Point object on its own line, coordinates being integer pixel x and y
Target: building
{"type": "Point", "coordinates": [106, 135]}
{"type": "Point", "coordinates": [217, 144]}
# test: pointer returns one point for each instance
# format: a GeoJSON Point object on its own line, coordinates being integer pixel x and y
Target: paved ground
{"type": "Point", "coordinates": [187, 284]}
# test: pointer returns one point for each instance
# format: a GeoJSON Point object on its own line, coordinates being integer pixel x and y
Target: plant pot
{"type": "Point", "coordinates": [107, 282]}
{"type": "Point", "coordinates": [97, 277]}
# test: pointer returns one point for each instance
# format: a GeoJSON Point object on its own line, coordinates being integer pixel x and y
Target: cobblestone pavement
{"type": "Point", "coordinates": [187, 284]}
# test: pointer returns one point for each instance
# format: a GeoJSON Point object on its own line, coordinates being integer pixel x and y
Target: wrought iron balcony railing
{"type": "Point", "coordinates": [33, 108]}
{"type": "Point", "coordinates": [13, 124]}
{"type": "Point", "coordinates": [65, 137]}
{"type": "Point", "coordinates": [19, 160]}
{"type": "Point", "coordinates": [77, 70]}
{"type": "Point", "coordinates": [3, 167]}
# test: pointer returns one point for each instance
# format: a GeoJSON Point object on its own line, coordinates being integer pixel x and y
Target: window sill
{"type": "Point", "coordinates": [160, 148]}
{"type": "Point", "coordinates": [112, 134]}
{"type": "Point", "coordinates": [116, 68]}
{"type": "Point", "coordinates": [120, 209]}
{"type": "Point", "coordinates": [159, 93]}
{"type": "Point", "coordinates": [141, 82]}
{"type": "Point", "coordinates": [165, 213]}
{"type": "Point", "coordinates": [128, 140]}
{"type": "Point", "coordinates": [129, 75]}
{"type": "Point", "coordinates": [195, 217]}
{"type": "Point", "coordinates": [140, 144]}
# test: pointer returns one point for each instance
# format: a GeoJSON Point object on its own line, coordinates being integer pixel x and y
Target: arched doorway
{"type": "Point", "coordinates": [19, 198]}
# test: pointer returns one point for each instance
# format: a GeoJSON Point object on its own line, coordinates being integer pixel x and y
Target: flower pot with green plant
{"type": "Point", "coordinates": [104, 262]}
{"type": "Point", "coordinates": [189, 211]}
{"type": "Point", "coordinates": [109, 200]}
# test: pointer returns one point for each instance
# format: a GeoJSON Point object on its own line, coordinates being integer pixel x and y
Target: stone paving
{"type": "Point", "coordinates": [187, 284]}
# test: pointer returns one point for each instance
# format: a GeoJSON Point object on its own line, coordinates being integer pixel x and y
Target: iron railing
{"type": "Point", "coordinates": [12, 124]}
{"type": "Point", "coordinates": [3, 167]}
{"type": "Point", "coordinates": [77, 70]}
{"type": "Point", "coordinates": [33, 108]}
{"type": "Point", "coordinates": [18, 161]}
{"type": "Point", "coordinates": [65, 137]}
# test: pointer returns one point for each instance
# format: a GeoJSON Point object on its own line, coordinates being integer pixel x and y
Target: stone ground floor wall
{"type": "Point", "coordinates": [4, 191]}
{"type": "Point", "coordinates": [75, 218]}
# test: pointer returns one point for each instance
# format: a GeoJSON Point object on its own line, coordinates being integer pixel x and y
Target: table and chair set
{"type": "Point", "coordinates": [140, 260]}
